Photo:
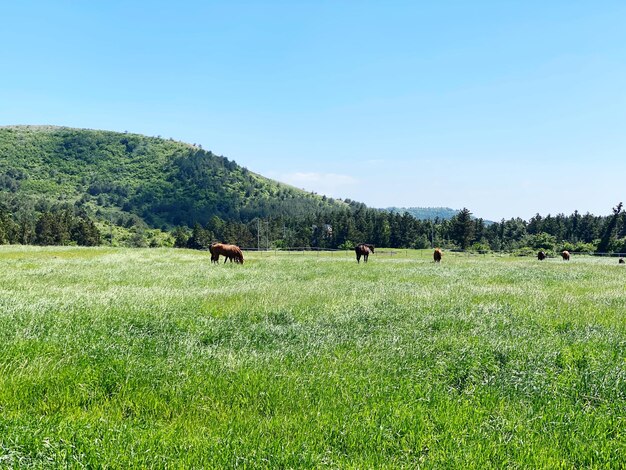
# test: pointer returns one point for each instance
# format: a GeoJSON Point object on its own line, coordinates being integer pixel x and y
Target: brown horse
{"type": "Point", "coordinates": [621, 261]}
{"type": "Point", "coordinates": [214, 256]}
{"type": "Point", "coordinates": [363, 249]}
{"type": "Point", "coordinates": [230, 252]}
{"type": "Point", "coordinates": [541, 256]}
{"type": "Point", "coordinates": [565, 255]}
{"type": "Point", "coordinates": [437, 254]}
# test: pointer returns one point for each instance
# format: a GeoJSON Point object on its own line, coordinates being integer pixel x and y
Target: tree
{"type": "Point", "coordinates": [138, 238]}
{"type": "Point", "coordinates": [462, 228]}
{"type": "Point", "coordinates": [200, 238]}
{"type": "Point", "coordinates": [382, 232]}
{"type": "Point", "coordinates": [45, 229]}
{"type": "Point", "coordinates": [541, 241]}
{"type": "Point", "coordinates": [180, 237]}
{"type": "Point", "coordinates": [513, 231]}
{"type": "Point", "coordinates": [607, 236]}
{"type": "Point", "coordinates": [85, 232]}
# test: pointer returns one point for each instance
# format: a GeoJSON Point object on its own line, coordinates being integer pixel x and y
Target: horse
{"type": "Point", "coordinates": [437, 254]}
{"type": "Point", "coordinates": [363, 249]}
{"type": "Point", "coordinates": [541, 256]}
{"type": "Point", "coordinates": [565, 255]}
{"type": "Point", "coordinates": [214, 256]}
{"type": "Point", "coordinates": [230, 252]}
{"type": "Point", "coordinates": [621, 261]}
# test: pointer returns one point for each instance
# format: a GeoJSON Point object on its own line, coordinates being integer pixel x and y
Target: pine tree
{"type": "Point", "coordinates": [180, 237]}
{"type": "Point", "coordinates": [605, 241]}
{"type": "Point", "coordinates": [463, 228]}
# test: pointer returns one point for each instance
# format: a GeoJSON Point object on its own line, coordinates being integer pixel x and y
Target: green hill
{"type": "Point", "coordinates": [163, 182]}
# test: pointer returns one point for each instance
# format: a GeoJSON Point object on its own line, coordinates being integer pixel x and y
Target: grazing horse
{"type": "Point", "coordinates": [230, 252]}
{"type": "Point", "coordinates": [541, 256]}
{"type": "Point", "coordinates": [621, 261]}
{"type": "Point", "coordinates": [215, 257]}
{"type": "Point", "coordinates": [437, 254]}
{"type": "Point", "coordinates": [565, 255]}
{"type": "Point", "coordinates": [363, 249]}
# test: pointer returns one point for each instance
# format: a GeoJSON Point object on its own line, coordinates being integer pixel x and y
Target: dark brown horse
{"type": "Point", "coordinates": [363, 249]}
{"type": "Point", "coordinates": [230, 252]}
{"type": "Point", "coordinates": [437, 254]}
{"type": "Point", "coordinates": [621, 261]}
{"type": "Point", "coordinates": [541, 256]}
{"type": "Point", "coordinates": [565, 255]}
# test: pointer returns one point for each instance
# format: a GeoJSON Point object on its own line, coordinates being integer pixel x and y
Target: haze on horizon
{"type": "Point", "coordinates": [507, 109]}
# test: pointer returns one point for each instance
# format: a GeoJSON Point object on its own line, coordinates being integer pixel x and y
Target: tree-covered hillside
{"type": "Point", "coordinates": [164, 182]}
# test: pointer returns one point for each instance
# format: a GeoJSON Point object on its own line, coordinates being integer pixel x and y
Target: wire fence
{"type": "Point", "coordinates": [330, 251]}
{"type": "Point", "coordinates": [427, 253]}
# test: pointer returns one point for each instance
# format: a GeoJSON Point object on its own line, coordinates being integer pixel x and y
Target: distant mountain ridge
{"type": "Point", "coordinates": [426, 213]}
{"type": "Point", "coordinates": [430, 213]}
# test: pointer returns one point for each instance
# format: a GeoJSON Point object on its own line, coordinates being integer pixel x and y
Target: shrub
{"type": "Point", "coordinates": [479, 247]}
{"type": "Point", "coordinates": [579, 247]}
{"type": "Point", "coordinates": [347, 245]}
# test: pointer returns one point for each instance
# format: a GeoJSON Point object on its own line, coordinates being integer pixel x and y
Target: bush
{"type": "Point", "coordinates": [579, 247]}
{"type": "Point", "coordinates": [525, 251]}
{"type": "Point", "coordinates": [347, 245]}
{"type": "Point", "coordinates": [617, 245]}
{"type": "Point", "coordinates": [278, 244]}
{"type": "Point", "coordinates": [480, 248]}
{"type": "Point", "coordinates": [421, 242]}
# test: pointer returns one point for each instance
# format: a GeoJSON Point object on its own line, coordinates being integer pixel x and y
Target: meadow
{"type": "Point", "coordinates": [125, 358]}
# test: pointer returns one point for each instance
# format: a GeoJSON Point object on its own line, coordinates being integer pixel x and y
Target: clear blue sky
{"type": "Point", "coordinates": [507, 108]}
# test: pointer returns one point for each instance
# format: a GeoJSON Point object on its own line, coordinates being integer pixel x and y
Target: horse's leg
{"type": "Point", "coordinates": [358, 258]}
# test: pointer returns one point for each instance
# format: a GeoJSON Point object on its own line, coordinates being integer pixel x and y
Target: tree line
{"type": "Point", "coordinates": [51, 226]}
{"type": "Point", "coordinates": [47, 223]}
{"type": "Point", "coordinates": [343, 229]}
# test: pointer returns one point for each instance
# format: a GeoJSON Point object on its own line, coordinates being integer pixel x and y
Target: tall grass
{"type": "Point", "coordinates": [156, 358]}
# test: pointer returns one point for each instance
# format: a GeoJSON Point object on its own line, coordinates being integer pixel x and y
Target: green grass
{"type": "Point", "coordinates": [155, 358]}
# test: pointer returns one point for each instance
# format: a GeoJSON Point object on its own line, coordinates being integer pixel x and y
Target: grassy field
{"type": "Point", "coordinates": [155, 358]}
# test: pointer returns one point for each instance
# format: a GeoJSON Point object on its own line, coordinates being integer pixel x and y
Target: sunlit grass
{"type": "Point", "coordinates": [120, 358]}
